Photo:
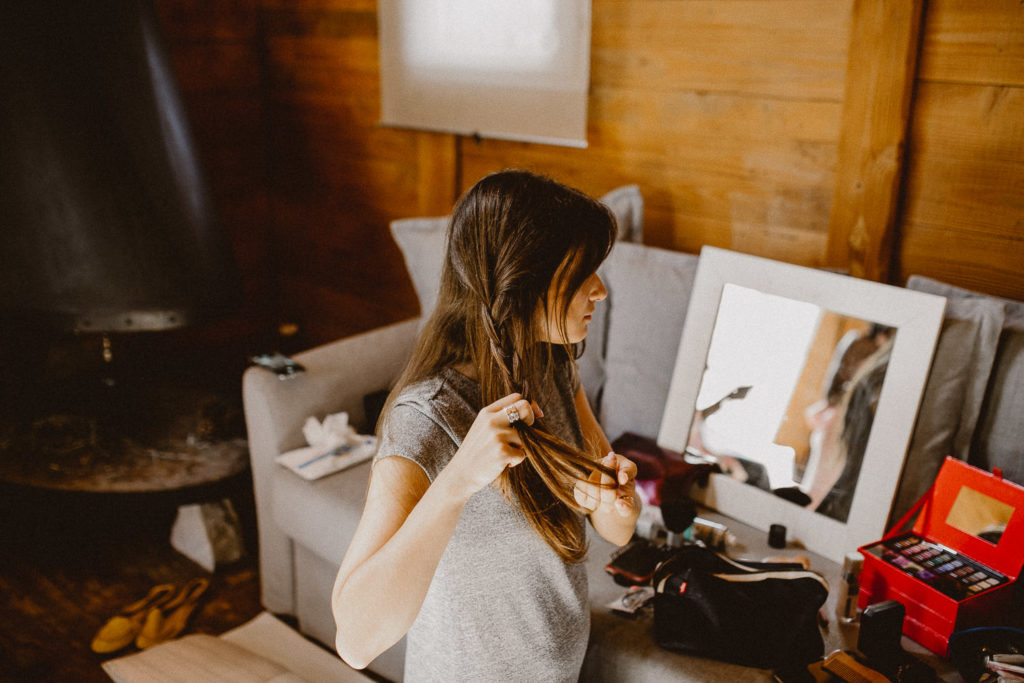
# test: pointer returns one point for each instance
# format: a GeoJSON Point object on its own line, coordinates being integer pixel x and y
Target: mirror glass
{"type": "Point", "coordinates": [979, 515]}
{"type": "Point", "coordinates": [812, 336]}
{"type": "Point", "coordinates": [788, 395]}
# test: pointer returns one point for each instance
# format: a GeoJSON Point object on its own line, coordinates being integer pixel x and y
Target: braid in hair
{"type": "Point", "coordinates": [543, 483]}
{"type": "Point", "coordinates": [501, 356]}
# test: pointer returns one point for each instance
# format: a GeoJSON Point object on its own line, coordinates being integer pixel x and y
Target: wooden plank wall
{"type": "Point", "coordinates": [884, 40]}
{"type": "Point", "coordinates": [725, 113]}
{"type": "Point", "coordinates": [730, 115]}
{"type": "Point", "coordinates": [963, 215]}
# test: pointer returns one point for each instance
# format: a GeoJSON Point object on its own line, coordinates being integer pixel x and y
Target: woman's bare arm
{"type": "Point", "coordinates": [406, 524]}
{"type": "Point", "coordinates": [405, 527]}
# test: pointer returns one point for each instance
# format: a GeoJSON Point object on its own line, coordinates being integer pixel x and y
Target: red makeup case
{"type": "Point", "coordinates": [958, 567]}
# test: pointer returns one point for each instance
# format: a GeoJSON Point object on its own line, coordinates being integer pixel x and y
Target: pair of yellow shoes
{"type": "Point", "coordinates": [159, 616]}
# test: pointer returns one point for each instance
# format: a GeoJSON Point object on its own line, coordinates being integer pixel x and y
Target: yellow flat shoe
{"type": "Point", "coordinates": [121, 629]}
{"type": "Point", "coordinates": [166, 621]}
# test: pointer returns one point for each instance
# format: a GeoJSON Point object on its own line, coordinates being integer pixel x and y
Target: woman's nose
{"type": "Point", "coordinates": [598, 292]}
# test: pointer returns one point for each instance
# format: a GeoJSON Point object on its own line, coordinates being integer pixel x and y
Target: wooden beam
{"type": "Point", "coordinates": [880, 76]}
{"type": "Point", "coordinates": [438, 172]}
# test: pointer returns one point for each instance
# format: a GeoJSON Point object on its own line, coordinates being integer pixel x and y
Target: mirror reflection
{"type": "Point", "coordinates": [788, 397]}
{"type": "Point", "coordinates": [979, 515]}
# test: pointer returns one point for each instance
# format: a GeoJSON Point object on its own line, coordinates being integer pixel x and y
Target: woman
{"type": "Point", "coordinates": [473, 532]}
{"type": "Point", "coordinates": [841, 421]}
{"type": "Point", "coordinates": [855, 415]}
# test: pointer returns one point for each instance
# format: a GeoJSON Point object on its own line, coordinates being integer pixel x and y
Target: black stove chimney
{"type": "Point", "coordinates": [106, 223]}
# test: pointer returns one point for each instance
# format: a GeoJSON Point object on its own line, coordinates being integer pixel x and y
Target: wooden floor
{"type": "Point", "coordinates": [68, 562]}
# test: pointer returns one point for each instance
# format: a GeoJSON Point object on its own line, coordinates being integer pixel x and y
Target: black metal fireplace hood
{"type": "Point", "coordinates": [106, 222]}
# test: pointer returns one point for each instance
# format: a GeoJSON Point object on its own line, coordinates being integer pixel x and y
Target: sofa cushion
{"type": "Point", "coordinates": [322, 514]}
{"type": "Point", "coordinates": [421, 241]}
{"type": "Point", "coordinates": [953, 395]}
{"type": "Point", "coordinates": [999, 434]}
{"type": "Point", "coordinates": [627, 203]}
{"type": "Point", "coordinates": [648, 293]}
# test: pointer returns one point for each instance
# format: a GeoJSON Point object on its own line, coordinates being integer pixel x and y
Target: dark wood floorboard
{"type": "Point", "coordinates": [69, 562]}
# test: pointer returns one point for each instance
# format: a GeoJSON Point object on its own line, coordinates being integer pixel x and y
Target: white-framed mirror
{"type": "Point", "coordinates": [804, 386]}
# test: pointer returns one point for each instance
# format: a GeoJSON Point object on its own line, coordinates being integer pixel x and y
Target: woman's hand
{"type": "Point", "coordinates": [602, 494]}
{"type": "Point", "coordinates": [491, 445]}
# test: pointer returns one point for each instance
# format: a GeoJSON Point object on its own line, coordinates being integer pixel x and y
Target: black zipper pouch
{"type": "Point", "coordinates": [756, 614]}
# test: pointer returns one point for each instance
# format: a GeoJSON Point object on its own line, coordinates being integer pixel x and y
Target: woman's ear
{"type": "Point", "coordinates": [542, 323]}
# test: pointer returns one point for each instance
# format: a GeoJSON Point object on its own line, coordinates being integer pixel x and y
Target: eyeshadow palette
{"type": "Point", "coordinates": [944, 569]}
{"type": "Point", "coordinates": [958, 566]}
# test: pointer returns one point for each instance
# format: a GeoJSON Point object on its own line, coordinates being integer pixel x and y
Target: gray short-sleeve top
{"type": "Point", "coordinates": [502, 605]}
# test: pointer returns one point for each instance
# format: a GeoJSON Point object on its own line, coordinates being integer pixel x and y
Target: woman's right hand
{"type": "Point", "coordinates": [491, 445]}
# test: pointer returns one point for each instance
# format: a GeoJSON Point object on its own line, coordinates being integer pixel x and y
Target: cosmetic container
{"type": "Point", "coordinates": [849, 588]}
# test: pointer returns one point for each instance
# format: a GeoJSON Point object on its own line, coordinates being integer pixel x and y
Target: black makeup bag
{"type": "Point", "coordinates": [756, 614]}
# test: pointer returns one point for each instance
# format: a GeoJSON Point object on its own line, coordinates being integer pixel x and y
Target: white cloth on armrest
{"type": "Point", "coordinates": [333, 446]}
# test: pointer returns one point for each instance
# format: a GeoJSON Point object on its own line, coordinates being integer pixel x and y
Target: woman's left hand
{"type": "Point", "coordinates": [601, 493]}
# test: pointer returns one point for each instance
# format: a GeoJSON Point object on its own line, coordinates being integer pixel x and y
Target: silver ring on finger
{"type": "Point", "coordinates": [513, 415]}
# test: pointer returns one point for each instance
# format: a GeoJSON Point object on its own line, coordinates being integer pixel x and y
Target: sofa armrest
{"type": "Point", "coordinates": [337, 377]}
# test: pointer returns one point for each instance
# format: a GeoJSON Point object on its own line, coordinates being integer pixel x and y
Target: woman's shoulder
{"type": "Point", "coordinates": [422, 391]}
{"type": "Point", "coordinates": [428, 420]}
{"type": "Point", "coordinates": [448, 399]}
{"type": "Point", "coordinates": [444, 388]}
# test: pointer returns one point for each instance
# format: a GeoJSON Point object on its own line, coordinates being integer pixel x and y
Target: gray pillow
{"type": "Point", "coordinates": [649, 291]}
{"type": "Point", "coordinates": [998, 440]}
{"type": "Point", "coordinates": [953, 394]}
{"type": "Point", "coordinates": [422, 243]}
{"type": "Point", "coordinates": [627, 203]}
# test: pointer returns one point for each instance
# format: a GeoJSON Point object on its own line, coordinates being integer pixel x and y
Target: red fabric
{"type": "Point", "coordinates": [662, 474]}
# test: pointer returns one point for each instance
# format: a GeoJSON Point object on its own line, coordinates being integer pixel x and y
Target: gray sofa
{"type": "Point", "coordinates": [975, 397]}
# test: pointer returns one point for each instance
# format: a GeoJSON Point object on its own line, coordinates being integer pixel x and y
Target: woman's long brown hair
{"type": "Point", "coordinates": [510, 237]}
